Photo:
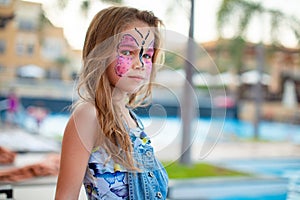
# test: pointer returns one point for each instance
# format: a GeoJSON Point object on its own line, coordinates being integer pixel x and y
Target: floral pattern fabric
{"type": "Point", "coordinates": [108, 180]}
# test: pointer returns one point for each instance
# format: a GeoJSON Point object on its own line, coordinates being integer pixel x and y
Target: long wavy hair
{"type": "Point", "coordinates": [94, 87]}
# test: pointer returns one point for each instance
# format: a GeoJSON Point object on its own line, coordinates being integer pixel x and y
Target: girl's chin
{"type": "Point", "coordinates": [127, 89]}
{"type": "Point", "coordinates": [132, 86]}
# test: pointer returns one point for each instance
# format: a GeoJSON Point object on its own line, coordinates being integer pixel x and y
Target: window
{"type": "Point", "coordinates": [25, 44]}
{"type": "Point", "coordinates": [4, 2]}
{"type": "Point", "coordinates": [2, 68]}
{"type": "Point", "coordinates": [4, 20]}
{"type": "Point", "coordinates": [52, 48]}
{"type": "Point", "coordinates": [30, 49]}
{"type": "Point", "coordinates": [27, 25]}
{"type": "Point", "coordinates": [2, 46]}
{"type": "Point", "coordinates": [20, 49]}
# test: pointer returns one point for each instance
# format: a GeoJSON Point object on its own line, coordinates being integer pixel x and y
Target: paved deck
{"type": "Point", "coordinates": [233, 150]}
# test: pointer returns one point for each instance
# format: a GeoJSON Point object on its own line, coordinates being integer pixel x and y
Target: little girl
{"type": "Point", "coordinates": [104, 145]}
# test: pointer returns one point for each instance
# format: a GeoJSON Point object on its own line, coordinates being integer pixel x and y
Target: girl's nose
{"type": "Point", "coordinates": [138, 61]}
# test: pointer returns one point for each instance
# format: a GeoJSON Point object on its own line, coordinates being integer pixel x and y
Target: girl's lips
{"type": "Point", "coordinates": [136, 77]}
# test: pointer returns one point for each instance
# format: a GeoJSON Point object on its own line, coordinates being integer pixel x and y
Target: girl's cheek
{"type": "Point", "coordinates": [123, 65]}
{"type": "Point", "coordinates": [148, 66]}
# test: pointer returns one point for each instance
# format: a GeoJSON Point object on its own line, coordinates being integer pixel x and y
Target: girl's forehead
{"type": "Point", "coordinates": [140, 36]}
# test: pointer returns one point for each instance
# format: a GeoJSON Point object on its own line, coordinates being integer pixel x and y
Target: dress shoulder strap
{"type": "Point", "coordinates": [137, 119]}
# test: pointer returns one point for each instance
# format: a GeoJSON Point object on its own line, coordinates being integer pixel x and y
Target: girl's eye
{"type": "Point", "coordinates": [126, 52]}
{"type": "Point", "coordinates": [147, 56]}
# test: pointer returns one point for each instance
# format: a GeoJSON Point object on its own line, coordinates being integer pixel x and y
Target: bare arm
{"type": "Point", "coordinates": [78, 141]}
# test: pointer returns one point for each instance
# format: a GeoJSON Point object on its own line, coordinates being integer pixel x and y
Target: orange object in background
{"type": "Point", "coordinates": [47, 167]}
{"type": "Point", "coordinates": [6, 156]}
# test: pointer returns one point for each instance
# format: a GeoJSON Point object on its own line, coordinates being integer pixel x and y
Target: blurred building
{"type": "Point", "coordinates": [281, 64]}
{"type": "Point", "coordinates": [28, 39]}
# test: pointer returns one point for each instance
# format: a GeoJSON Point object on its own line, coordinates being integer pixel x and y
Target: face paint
{"type": "Point", "coordinates": [124, 50]}
{"type": "Point", "coordinates": [142, 47]}
{"type": "Point", "coordinates": [141, 56]}
{"type": "Point", "coordinates": [148, 59]}
{"type": "Point", "coordinates": [126, 53]}
{"type": "Point", "coordinates": [123, 65]}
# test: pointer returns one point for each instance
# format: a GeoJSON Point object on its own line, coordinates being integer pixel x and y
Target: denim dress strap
{"type": "Point", "coordinates": [138, 121]}
{"type": "Point", "coordinates": [151, 182]}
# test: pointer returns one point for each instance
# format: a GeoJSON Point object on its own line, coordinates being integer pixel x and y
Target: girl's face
{"type": "Point", "coordinates": [131, 64]}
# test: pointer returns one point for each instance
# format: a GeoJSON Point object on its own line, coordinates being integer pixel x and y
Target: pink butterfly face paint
{"type": "Point", "coordinates": [147, 58]}
{"type": "Point", "coordinates": [129, 48]}
{"type": "Point", "coordinates": [124, 58]}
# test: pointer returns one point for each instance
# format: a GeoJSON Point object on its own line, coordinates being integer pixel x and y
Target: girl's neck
{"type": "Point", "coordinates": [120, 99]}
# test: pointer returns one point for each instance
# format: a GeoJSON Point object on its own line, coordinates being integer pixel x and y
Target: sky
{"type": "Point", "coordinates": [75, 24]}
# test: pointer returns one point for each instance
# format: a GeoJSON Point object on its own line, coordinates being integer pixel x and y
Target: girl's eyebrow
{"type": "Point", "coordinates": [128, 46]}
{"type": "Point", "coordinates": [133, 44]}
{"type": "Point", "coordinates": [150, 50]}
{"type": "Point", "coordinates": [131, 40]}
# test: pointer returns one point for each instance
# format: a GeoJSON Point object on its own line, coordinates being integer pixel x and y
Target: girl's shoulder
{"type": "Point", "coordinates": [86, 109]}
{"type": "Point", "coordinates": [85, 114]}
{"type": "Point", "coordinates": [86, 122]}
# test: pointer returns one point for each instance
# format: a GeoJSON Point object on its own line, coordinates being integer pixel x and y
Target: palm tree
{"type": "Point", "coordinates": [242, 12]}
{"type": "Point", "coordinates": [86, 4]}
{"type": "Point", "coordinates": [188, 108]}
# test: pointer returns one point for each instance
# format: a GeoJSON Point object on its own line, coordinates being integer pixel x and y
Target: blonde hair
{"type": "Point", "coordinates": [94, 86]}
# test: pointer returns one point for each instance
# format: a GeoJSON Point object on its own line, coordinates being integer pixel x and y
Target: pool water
{"type": "Point", "coordinates": [231, 188]}
{"type": "Point", "coordinates": [265, 197]}
{"type": "Point", "coordinates": [275, 167]}
{"type": "Point", "coordinates": [281, 168]}
{"type": "Point", "coordinates": [228, 128]}
{"type": "Point", "coordinates": [271, 131]}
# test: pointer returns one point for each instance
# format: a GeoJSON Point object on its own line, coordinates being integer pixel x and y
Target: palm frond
{"type": "Point", "coordinates": [62, 4]}
{"type": "Point", "coordinates": [113, 1]}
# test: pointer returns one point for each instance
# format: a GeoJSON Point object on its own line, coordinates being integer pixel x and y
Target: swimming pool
{"type": "Point", "coordinates": [275, 167]}
{"type": "Point", "coordinates": [284, 169]}
{"type": "Point", "coordinates": [203, 128]}
{"type": "Point", "coordinates": [245, 188]}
